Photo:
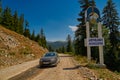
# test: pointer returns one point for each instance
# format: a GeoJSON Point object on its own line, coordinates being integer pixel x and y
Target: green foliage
{"type": "Point", "coordinates": [15, 22]}
{"type": "Point", "coordinates": [37, 38]}
{"type": "Point", "coordinates": [12, 22]}
{"type": "Point", "coordinates": [111, 21]}
{"type": "Point", "coordinates": [41, 39]}
{"type": "Point", "coordinates": [80, 34]}
{"type": "Point", "coordinates": [59, 50]}
{"type": "Point", "coordinates": [63, 49]}
{"type": "Point", "coordinates": [27, 31]}
{"type": "Point", "coordinates": [21, 24]}
{"type": "Point", "coordinates": [7, 18]}
{"type": "Point", "coordinates": [69, 47]}
{"type": "Point", "coordinates": [33, 35]}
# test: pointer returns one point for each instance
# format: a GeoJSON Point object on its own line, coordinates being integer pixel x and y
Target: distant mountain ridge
{"type": "Point", "coordinates": [57, 44]}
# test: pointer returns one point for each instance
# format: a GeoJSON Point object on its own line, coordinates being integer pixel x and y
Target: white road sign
{"type": "Point", "coordinates": [95, 42]}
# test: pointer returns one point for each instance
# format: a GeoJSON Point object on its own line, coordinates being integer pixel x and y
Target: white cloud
{"type": "Point", "coordinates": [73, 28]}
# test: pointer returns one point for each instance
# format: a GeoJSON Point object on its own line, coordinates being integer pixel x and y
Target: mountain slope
{"type": "Point", "coordinates": [15, 48]}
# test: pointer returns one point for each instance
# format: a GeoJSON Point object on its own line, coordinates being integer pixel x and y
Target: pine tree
{"type": "Point", "coordinates": [111, 21]}
{"type": "Point", "coordinates": [63, 49]}
{"type": "Point", "coordinates": [43, 39]}
{"type": "Point", "coordinates": [27, 31]}
{"type": "Point", "coordinates": [15, 22]}
{"type": "Point", "coordinates": [80, 34]}
{"type": "Point", "coordinates": [69, 44]}
{"type": "Point", "coordinates": [37, 38]}
{"type": "Point", "coordinates": [33, 35]}
{"type": "Point", "coordinates": [7, 18]}
{"type": "Point", "coordinates": [21, 24]}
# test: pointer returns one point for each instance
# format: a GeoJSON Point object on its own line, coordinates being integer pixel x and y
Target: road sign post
{"type": "Point", "coordinates": [88, 36]}
{"type": "Point", "coordinates": [92, 13]}
{"type": "Point", "coordinates": [101, 57]}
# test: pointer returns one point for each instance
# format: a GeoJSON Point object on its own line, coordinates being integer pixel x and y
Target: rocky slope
{"type": "Point", "coordinates": [15, 48]}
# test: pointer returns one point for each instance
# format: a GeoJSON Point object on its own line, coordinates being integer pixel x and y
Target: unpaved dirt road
{"type": "Point", "coordinates": [65, 70]}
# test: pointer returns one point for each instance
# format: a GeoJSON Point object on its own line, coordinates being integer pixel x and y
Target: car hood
{"type": "Point", "coordinates": [47, 58]}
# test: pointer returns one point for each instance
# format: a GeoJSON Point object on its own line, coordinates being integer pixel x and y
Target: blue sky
{"type": "Point", "coordinates": [56, 17]}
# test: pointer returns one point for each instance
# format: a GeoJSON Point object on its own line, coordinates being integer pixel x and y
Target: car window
{"type": "Point", "coordinates": [49, 54]}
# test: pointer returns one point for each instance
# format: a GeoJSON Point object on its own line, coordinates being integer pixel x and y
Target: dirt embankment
{"type": "Point", "coordinates": [15, 48]}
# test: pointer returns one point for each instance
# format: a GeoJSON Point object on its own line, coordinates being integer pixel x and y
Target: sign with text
{"type": "Point", "coordinates": [95, 42]}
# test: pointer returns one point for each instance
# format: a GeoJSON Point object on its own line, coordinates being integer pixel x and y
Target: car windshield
{"type": "Point", "coordinates": [49, 54]}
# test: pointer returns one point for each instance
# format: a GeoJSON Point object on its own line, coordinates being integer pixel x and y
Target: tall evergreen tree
{"type": "Point", "coordinates": [111, 21]}
{"type": "Point", "coordinates": [41, 33]}
{"type": "Point", "coordinates": [27, 31]}
{"type": "Point", "coordinates": [63, 49]}
{"type": "Point", "coordinates": [33, 35]}
{"type": "Point", "coordinates": [7, 18]}
{"type": "Point", "coordinates": [37, 37]}
{"type": "Point", "coordinates": [80, 34]}
{"type": "Point", "coordinates": [15, 22]}
{"type": "Point", "coordinates": [21, 24]}
{"type": "Point", "coordinates": [69, 44]}
{"type": "Point", "coordinates": [43, 39]}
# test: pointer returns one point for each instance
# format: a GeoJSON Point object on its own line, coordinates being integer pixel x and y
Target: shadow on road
{"type": "Point", "coordinates": [46, 67]}
{"type": "Point", "coordinates": [72, 68]}
{"type": "Point", "coordinates": [27, 74]}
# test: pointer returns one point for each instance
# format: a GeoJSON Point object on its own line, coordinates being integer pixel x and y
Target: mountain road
{"type": "Point", "coordinates": [65, 70]}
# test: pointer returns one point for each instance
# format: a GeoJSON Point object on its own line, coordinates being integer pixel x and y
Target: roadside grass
{"type": "Point", "coordinates": [101, 73]}
{"type": "Point", "coordinates": [106, 74]}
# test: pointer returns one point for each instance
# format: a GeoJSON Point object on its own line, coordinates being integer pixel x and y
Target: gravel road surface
{"type": "Point", "coordinates": [9, 72]}
{"type": "Point", "coordinates": [65, 70]}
